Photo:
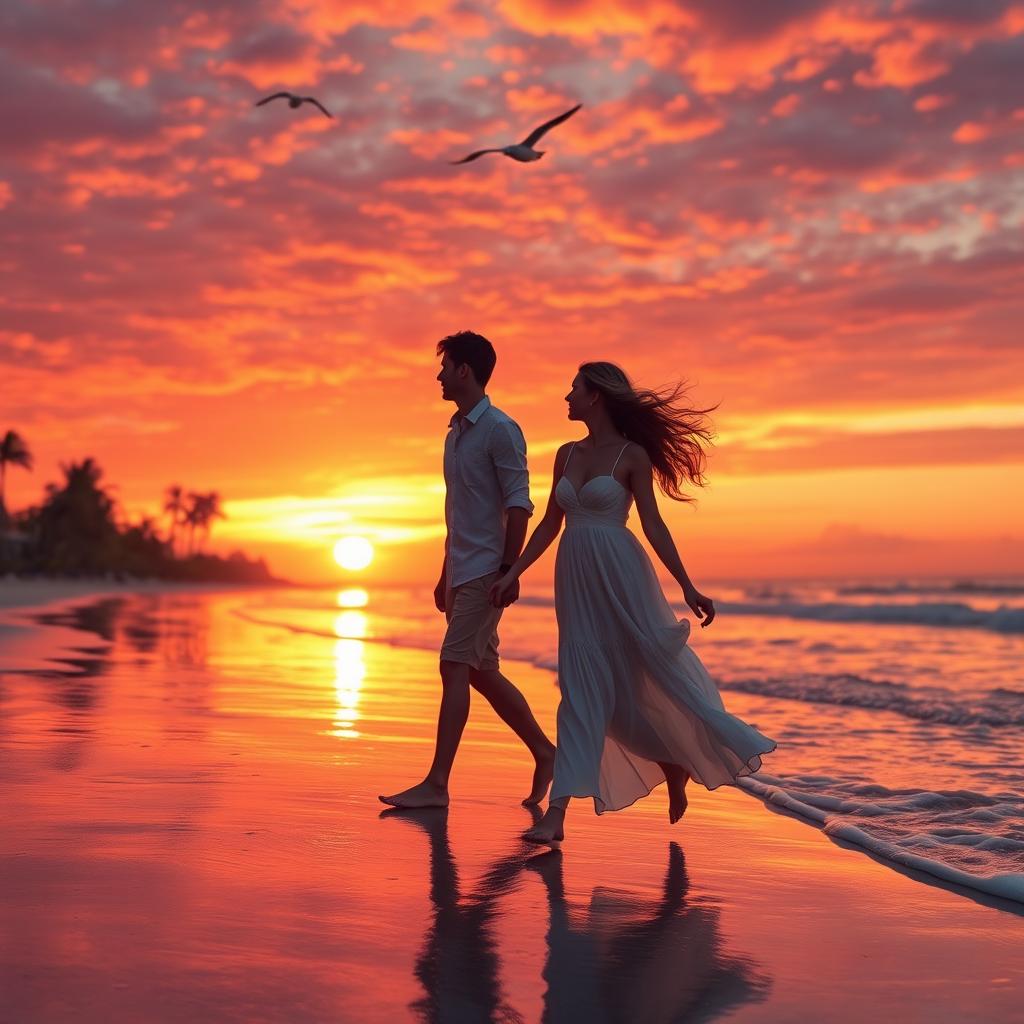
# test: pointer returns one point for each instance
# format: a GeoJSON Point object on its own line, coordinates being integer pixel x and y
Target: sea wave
{"type": "Point", "coordinates": [937, 614]}
{"type": "Point", "coordinates": [979, 587]}
{"type": "Point", "coordinates": [998, 707]}
{"type": "Point", "coordinates": [941, 614]}
{"type": "Point", "coordinates": [971, 839]}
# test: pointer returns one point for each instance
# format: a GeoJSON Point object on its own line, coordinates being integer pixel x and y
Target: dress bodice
{"type": "Point", "coordinates": [601, 501]}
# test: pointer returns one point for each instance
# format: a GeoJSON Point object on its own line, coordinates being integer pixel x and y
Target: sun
{"type": "Point", "coordinates": [353, 552]}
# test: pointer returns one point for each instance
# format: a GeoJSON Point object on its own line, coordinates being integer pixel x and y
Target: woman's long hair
{"type": "Point", "coordinates": [674, 436]}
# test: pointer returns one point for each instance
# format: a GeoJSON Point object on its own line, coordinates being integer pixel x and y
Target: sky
{"type": "Point", "coordinates": [810, 211]}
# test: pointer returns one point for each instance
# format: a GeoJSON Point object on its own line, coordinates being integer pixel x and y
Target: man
{"type": "Point", "coordinates": [487, 505]}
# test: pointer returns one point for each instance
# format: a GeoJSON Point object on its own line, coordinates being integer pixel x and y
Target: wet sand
{"type": "Point", "coordinates": [193, 833]}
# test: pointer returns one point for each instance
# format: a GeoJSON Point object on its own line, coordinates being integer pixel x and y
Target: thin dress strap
{"type": "Point", "coordinates": [565, 466]}
{"type": "Point", "coordinates": [617, 457]}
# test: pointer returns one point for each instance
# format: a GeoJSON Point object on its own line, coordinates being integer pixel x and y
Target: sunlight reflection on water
{"type": "Point", "coordinates": [353, 597]}
{"type": "Point", "coordinates": [349, 669]}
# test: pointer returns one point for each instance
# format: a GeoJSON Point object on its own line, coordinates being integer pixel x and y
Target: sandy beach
{"type": "Point", "coordinates": [193, 833]}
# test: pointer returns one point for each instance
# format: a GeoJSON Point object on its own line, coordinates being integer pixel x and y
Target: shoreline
{"type": "Point", "coordinates": [24, 594]}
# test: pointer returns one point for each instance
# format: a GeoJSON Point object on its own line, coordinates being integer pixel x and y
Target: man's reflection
{"type": "Point", "coordinates": [626, 959]}
{"type": "Point", "coordinates": [458, 964]}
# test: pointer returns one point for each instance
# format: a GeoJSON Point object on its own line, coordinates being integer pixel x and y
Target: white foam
{"type": "Point", "coordinates": [900, 835]}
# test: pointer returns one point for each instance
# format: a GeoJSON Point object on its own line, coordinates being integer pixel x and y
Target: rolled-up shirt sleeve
{"type": "Point", "coordinates": [507, 449]}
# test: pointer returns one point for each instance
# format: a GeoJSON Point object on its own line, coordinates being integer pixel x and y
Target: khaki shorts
{"type": "Point", "coordinates": [472, 635]}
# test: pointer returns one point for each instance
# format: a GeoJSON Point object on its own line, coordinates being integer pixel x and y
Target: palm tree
{"type": "Point", "coordinates": [174, 507]}
{"type": "Point", "coordinates": [202, 510]}
{"type": "Point", "coordinates": [13, 450]}
{"type": "Point", "coordinates": [77, 521]}
{"type": "Point", "coordinates": [191, 518]}
{"type": "Point", "coordinates": [210, 509]}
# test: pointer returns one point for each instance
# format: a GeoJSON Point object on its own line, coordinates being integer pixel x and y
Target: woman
{"type": "Point", "coordinates": [637, 706]}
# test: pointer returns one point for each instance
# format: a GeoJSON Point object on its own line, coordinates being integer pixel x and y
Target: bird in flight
{"type": "Point", "coordinates": [294, 101]}
{"type": "Point", "coordinates": [524, 151]}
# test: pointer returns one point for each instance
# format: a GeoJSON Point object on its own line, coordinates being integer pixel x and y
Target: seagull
{"type": "Point", "coordinates": [524, 151]}
{"type": "Point", "coordinates": [294, 101]}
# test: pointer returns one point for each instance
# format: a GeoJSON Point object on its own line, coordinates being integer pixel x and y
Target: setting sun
{"type": "Point", "coordinates": [353, 552]}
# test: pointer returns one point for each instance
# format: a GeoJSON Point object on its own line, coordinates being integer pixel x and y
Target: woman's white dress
{"type": "Point", "coordinates": [633, 693]}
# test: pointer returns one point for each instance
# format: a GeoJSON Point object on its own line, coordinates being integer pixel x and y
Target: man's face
{"type": "Point", "coordinates": [449, 379]}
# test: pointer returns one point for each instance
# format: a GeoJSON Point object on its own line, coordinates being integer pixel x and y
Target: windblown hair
{"type": "Point", "coordinates": [674, 435]}
{"type": "Point", "coordinates": [472, 349]}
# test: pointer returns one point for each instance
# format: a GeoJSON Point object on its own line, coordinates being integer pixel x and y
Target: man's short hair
{"type": "Point", "coordinates": [472, 349]}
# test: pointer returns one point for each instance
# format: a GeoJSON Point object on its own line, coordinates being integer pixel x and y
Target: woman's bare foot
{"type": "Point", "coordinates": [677, 778]}
{"type": "Point", "coordinates": [549, 829]}
{"type": "Point", "coordinates": [677, 804]}
{"type": "Point", "coordinates": [542, 775]}
{"type": "Point", "coordinates": [426, 794]}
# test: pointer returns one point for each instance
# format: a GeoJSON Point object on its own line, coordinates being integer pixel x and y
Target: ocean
{"type": "Point", "coordinates": [898, 707]}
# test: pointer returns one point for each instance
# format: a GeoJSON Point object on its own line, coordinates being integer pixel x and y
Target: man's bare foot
{"type": "Point", "coordinates": [543, 772]}
{"type": "Point", "coordinates": [549, 829]}
{"type": "Point", "coordinates": [426, 794]}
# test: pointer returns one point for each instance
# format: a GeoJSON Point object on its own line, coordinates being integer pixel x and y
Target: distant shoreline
{"type": "Point", "coordinates": [23, 594]}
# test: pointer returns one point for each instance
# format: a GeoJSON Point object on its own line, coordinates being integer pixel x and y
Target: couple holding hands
{"type": "Point", "coordinates": [637, 706]}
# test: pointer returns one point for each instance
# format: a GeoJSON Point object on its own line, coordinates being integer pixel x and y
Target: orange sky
{"type": "Point", "coordinates": [811, 210]}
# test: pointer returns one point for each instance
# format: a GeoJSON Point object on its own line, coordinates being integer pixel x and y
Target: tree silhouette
{"type": "Point", "coordinates": [142, 548]}
{"type": "Point", "coordinates": [174, 507]}
{"type": "Point", "coordinates": [13, 450]}
{"type": "Point", "coordinates": [201, 511]}
{"type": "Point", "coordinates": [77, 528]}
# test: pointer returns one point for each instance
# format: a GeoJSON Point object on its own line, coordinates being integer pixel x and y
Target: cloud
{"type": "Point", "coordinates": [806, 205]}
{"type": "Point", "coordinates": [809, 450]}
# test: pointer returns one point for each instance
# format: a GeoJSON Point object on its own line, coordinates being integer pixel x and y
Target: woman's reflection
{"type": "Point", "coordinates": [627, 959]}
{"type": "Point", "coordinates": [639, 960]}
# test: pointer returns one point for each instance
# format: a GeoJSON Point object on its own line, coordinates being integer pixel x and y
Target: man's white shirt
{"type": "Point", "coordinates": [485, 474]}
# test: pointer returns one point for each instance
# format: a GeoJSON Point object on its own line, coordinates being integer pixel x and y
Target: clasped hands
{"type": "Point", "coordinates": [504, 590]}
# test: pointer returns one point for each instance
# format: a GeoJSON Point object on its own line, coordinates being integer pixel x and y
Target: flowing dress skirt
{"type": "Point", "coordinates": [633, 693]}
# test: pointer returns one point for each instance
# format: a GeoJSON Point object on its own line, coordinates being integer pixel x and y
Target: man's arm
{"type": "Point", "coordinates": [507, 450]}
{"type": "Point", "coordinates": [508, 453]}
{"type": "Point", "coordinates": [441, 586]}
{"type": "Point", "coordinates": [515, 534]}
{"type": "Point", "coordinates": [543, 535]}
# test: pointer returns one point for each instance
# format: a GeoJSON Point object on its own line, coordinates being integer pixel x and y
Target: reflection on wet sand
{"type": "Point", "coordinates": [636, 961]}
{"type": "Point", "coordinates": [173, 628]}
{"type": "Point", "coordinates": [458, 965]}
{"type": "Point", "coordinates": [349, 666]}
{"type": "Point", "coordinates": [625, 959]}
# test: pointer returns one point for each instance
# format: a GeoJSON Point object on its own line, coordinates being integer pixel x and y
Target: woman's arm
{"type": "Point", "coordinates": [641, 482]}
{"type": "Point", "coordinates": [540, 540]}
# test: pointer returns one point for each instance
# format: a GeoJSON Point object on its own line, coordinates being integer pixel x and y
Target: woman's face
{"type": "Point", "coordinates": [579, 399]}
